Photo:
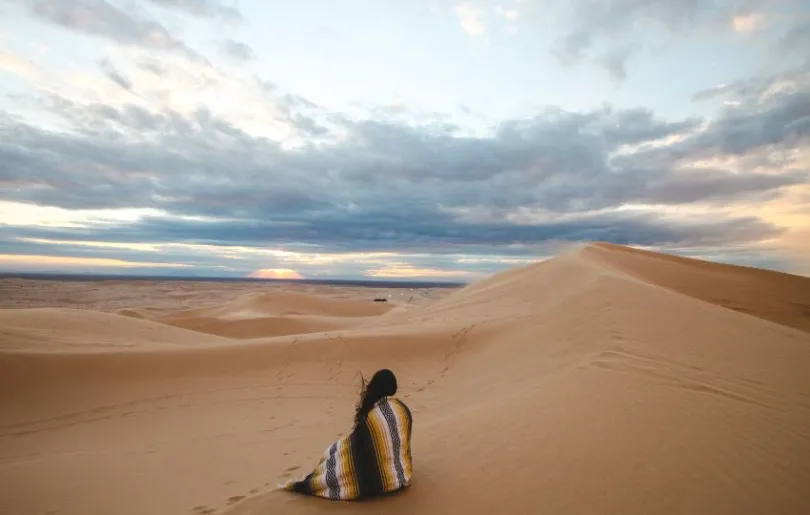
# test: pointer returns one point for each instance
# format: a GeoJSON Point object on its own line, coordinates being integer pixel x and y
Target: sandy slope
{"type": "Point", "coordinates": [781, 298]}
{"type": "Point", "coordinates": [606, 380]}
{"type": "Point", "coordinates": [276, 314]}
{"type": "Point", "coordinates": [71, 330]}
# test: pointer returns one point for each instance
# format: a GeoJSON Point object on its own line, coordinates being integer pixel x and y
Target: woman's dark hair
{"type": "Point", "coordinates": [382, 384]}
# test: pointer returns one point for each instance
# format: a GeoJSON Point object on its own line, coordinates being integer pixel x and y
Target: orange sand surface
{"type": "Point", "coordinates": [605, 380]}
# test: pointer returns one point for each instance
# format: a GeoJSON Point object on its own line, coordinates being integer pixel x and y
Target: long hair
{"type": "Point", "coordinates": [382, 384]}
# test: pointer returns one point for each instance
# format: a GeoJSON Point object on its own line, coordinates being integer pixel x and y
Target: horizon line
{"type": "Point", "coordinates": [74, 276]}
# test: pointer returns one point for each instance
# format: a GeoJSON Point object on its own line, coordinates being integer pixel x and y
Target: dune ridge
{"type": "Point", "coordinates": [607, 379]}
{"type": "Point", "coordinates": [776, 296]}
{"type": "Point", "coordinates": [258, 315]}
{"type": "Point", "coordinates": [287, 303]}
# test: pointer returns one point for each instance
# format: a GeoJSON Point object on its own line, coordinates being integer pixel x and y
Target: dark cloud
{"type": "Point", "coordinates": [434, 233]}
{"type": "Point", "coordinates": [781, 119]}
{"type": "Point", "coordinates": [201, 165]}
{"type": "Point", "coordinates": [114, 75]}
{"type": "Point", "coordinates": [764, 89]}
{"type": "Point", "coordinates": [797, 39]}
{"type": "Point", "coordinates": [773, 113]}
{"type": "Point", "coordinates": [615, 63]}
{"type": "Point", "coordinates": [380, 184]}
{"type": "Point", "coordinates": [153, 66]}
{"type": "Point", "coordinates": [103, 19]}
{"type": "Point", "coordinates": [219, 263]}
{"type": "Point", "coordinates": [202, 8]}
{"type": "Point", "coordinates": [236, 50]}
{"type": "Point", "coordinates": [694, 185]}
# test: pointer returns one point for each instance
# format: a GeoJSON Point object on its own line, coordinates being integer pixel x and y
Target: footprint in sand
{"type": "Point", "coordinates": [290, 470]}
{"type": "Point", "coordinates": [203, 510]}
{"type": "Point", "coordinates": [235, 499]}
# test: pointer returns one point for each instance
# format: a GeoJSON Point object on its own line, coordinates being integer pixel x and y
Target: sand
{"type": "Point", "coordinates": [605, 380]}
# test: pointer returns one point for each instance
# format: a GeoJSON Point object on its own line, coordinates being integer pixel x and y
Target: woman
{"type": "Point", "coordinates": [375, 458]}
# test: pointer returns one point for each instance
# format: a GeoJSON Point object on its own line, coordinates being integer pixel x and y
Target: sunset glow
{"type": "Point", "coordinates": [275, 273]}
{"type": "Point", "coordinates": [67, 262]}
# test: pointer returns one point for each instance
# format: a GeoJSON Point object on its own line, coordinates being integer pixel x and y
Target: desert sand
{"type": "Point", "coordinates": [605, 380]}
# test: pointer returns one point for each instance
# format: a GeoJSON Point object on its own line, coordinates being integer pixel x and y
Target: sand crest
{"type": "Point", "coordinates": [606, 380]}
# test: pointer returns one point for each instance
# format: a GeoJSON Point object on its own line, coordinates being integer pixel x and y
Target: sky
{"type": "Point", "coordinates": [427, 139]}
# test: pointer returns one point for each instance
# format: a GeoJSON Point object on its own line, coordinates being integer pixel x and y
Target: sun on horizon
{"type": "Point", "coordinates": [275, 273]}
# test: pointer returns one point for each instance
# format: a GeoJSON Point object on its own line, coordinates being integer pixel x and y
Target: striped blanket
{"type": "Point", "coordinates": [374, 459]}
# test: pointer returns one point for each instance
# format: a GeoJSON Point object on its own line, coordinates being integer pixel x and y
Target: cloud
{"type": "Point", "coordinates": [615, 63]}
{"type": "Point", "coordinates": [240, 247]}
{"type": "Point", "coordinates": [509, 14]}
{"type": "Point", "coordinates": [154, 67]}
{"type": "Point", "coordinates": [374, 173]}
{"type": "Point", "coordinates": [16, 65]}
{"type": "Point", "coordinates": [609, 33]}
{"type": "Point", "coordinates": [236, 50]}
{"type": "Point", "coordinates": [762, 89]}
{"type": "Point", "coordinates": [243, 261]}
{"type": "Point", "coordinates": [471, 19]}
{"type": "Point", "coordinates": [28, 262]}
{"type": "Point", "coordinates": [425, 230]}
{"type": "Point", "coordinates": [694, 185]}
{"type": "Point", "coordinates": [400, 270]}
{"type": "Point", "coordinates": [797, 39]}
{"type": "Point", "coordinates": [164, 172]}
{"type": "Point", "coordinates": [769, 112]}
{"type": "Point", "coordinates": [100, 18]}
{"type": "Point", "coordinates": [711, 93]}
{"type": "Point", "coordinates": [114, 75]}
{"type": "Point", "coordinates": [202, 8]}
{"type": "Point", "coordinates": [748, 23]}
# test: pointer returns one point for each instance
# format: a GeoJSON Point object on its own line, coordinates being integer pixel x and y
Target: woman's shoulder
{"type": "Point", "coordinates": [388, 399]}
{"type": "Point", "coordinates": [390, 402]}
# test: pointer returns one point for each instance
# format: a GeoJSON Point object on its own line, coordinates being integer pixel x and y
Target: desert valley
{"type": "Point", "coordinates": [604, 380]}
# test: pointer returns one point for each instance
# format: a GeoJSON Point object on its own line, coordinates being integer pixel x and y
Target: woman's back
{"type": "Point", "coordinates": [389, 426]}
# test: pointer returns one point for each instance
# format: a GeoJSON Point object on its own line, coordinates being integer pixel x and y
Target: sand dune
{"type": "Point", "coordinates": [288, 303]}
{"type": "Point", "coordinates": [260, 326]}
{"type": "Point", "coordinates": [774, 296]}
{"type": "Point", "coordinates": [276, 314]}
{"type": "Point", "coordinates": [606, 380]}
{"type": "Point", "coordinates": [72, 330]}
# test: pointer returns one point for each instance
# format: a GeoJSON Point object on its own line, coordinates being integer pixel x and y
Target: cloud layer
{"type": "Point", "coordinates": [224, 169]}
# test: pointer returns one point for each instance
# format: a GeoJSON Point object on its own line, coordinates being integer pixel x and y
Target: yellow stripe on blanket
{"type": "Point", "coordinates": [376, 426]}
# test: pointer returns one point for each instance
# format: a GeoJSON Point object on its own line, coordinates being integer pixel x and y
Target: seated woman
{"type": "Point", "coordinates": [375, 458]}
